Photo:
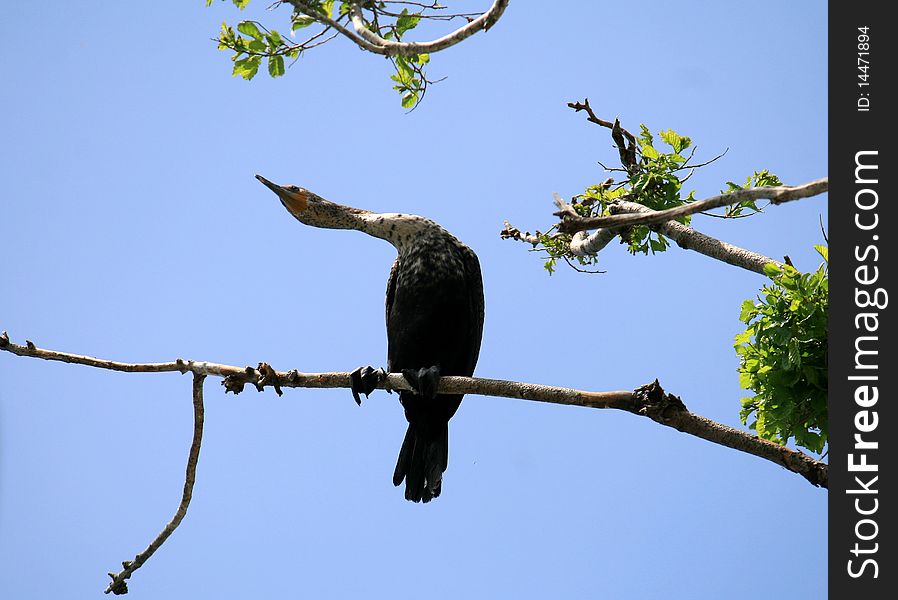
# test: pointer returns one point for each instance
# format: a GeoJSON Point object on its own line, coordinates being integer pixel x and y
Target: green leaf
{"type": "Point", "coordinates": [762, 178]}
{"type": "Point", "coordinates": [276, 65]}
{"type": "Point", "coordinates": [247, 67]}
{"type": "Point", "coordinates": [249, 28]}
{"type": "Point", "coordinates": [409, 99]}
{"type": "Point", "coordinates": [274, 39]}
{"type": "Point", "coordinates": [675, 140]}
{"type": "Point", "coordinates": [645, 136]}
{"type": "Point", "coordinates": [772, 270]}
{"type": "Point", "coordinates": [300, 21]}
{"type": "Point", "coordinates": [404, 73]}
{"type": "Point", "coordinates": [406, 21]}
{"type": "Point", "coordinates": [748, 311]}
{"type": "Point", "coordinates": [241, 4]}
{"type": "Point", "coordinates": [649, 152]}
{"type": "Point", "coordinates": [822, 251]}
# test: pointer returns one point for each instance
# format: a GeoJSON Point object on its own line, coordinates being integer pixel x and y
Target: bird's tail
{"type": "Point", "coordinates": [422, 459]}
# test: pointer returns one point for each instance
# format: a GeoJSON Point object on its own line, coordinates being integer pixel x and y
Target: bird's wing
{"type": "Point", "coordinates": [391, 293]}
{"type": "Point", "coordinates": [476, 306]}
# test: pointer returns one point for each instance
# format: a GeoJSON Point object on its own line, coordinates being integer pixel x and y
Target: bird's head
{"type": "Point", "coordinates": [310, 208]}
{"type": "Point", "coordinates": [294, 198]}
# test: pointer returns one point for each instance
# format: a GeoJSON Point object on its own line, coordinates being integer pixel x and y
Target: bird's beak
{"type": "Point", "coordinates": [295, 202]}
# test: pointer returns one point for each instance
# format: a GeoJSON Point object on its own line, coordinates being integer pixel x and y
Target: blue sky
{"type": "Point", "coordinates": [133, 229]}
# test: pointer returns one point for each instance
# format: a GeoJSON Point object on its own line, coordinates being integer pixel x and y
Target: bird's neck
{"type": "Point", "coordinates": [404, 231]}
{"type": "Point", "coordinates": [329, 215]}
{"type": "Point", "coordinates": [401, 230]}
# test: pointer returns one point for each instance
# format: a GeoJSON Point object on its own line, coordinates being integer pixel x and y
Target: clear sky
{"type": "Point", "coordinates": [133, 229]}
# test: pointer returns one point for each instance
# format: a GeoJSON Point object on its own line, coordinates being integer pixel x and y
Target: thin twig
{"type": "Point", "coordinates": [581, 270]}
{"type": "Point", "coordinates": [662, 408]}
{"type": "Point", "coordinates": [686, 164]}
{"type": "Point", "coordinates": [512, 232]}
{"type": "Point", "coordinates": [119, 585]}
{"type": "Point", "coordinates": [745, 216]}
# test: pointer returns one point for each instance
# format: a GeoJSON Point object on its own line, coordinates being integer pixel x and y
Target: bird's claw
{"type": "Point", "coordinates": [425, 382]}
{"type": "Point", "coordinates": [268, 376]}
{"type": "Point", "coordinates": [365, 380]}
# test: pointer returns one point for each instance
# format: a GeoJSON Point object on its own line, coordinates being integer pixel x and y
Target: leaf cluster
{"type": "Point", "coordinates": [654, 171]}
{"type": "Point", "coordinates": [410, 79]}
{"type": "Point", "coordinates": [653, 179]}
{"type": "Point", "coordinates": [252, 42]}
{"type": "Point", "coordinates": [783, 356]}
{"type": "Point", "coordinates": [747, 208]}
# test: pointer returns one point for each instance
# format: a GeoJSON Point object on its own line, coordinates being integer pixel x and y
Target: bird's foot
{"type": "Point", "coordinates": [365, 380]}
{"type": "Point", "coordinates": [268, 376]}
{"type": "Point", "coordinates": [424, 381]}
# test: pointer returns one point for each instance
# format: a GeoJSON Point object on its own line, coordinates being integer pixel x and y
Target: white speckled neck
{"type": "Point", "coordinates": [401, 230]}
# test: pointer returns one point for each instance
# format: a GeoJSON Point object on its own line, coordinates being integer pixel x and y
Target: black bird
{"type": "Point", "coordinates": [434, 316]}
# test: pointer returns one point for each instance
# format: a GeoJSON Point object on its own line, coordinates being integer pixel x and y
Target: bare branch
{"type": "Point", "coordinates": [392, 48]}
{"type": "Point", "coordinates": [685, 237]}
{"type": "Point", "coordinates": [307, 10]}
{"type": "Point", "coordinates": [119, 585]}
{"type": "Point", "coordinates": [584, 244]}
{"type": "Point", "coordinates": [372, 42]}
{"type": "Point", "coordinates": [592, 118]}
{"type": "Point", "coordinates": [776, 194]}
{"type": "Point", "coordinates": [649, 401]}
{"type": "Point", "coordinates": [512, 232]}
{"type": "Point", "coordinates": [623, 139]}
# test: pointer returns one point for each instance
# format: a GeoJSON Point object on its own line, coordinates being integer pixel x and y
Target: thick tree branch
{"type": "Point", "coordinates": [583, 244]}
{"type": "Point", "coordinates": [119, 585]}
{"type": "Point", "coordinates": [685, 237]}
{"type": "Point", "coordinates": [571, 223]}
{"type": "Point", "coordinates": [305, 9]}
{"type": "Point", "coordinates": [391, 48]}
{"type": "Point", "coordinates": [649, 401]}
{"type": "Point", "coordinates": [368, 40]}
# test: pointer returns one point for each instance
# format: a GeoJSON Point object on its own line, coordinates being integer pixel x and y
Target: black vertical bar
{"type": "Point", "coordinates": [863, 431]}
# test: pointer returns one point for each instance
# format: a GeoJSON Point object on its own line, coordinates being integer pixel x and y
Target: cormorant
{"type": "Point", "coordinates": [434, 312]}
